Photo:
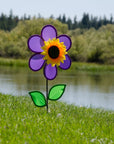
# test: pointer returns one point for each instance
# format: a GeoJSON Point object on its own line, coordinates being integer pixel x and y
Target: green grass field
{"type": "Point", "coordinates": [23, 123]}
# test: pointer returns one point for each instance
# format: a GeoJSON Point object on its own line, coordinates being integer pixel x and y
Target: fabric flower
{"type": "Point", "coordinates": [50, 50]}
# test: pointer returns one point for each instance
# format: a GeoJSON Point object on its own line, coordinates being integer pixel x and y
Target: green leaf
{"type": "Point", "coordinates": [56, 92]}
{"type": "Point", "coordinates": [38, 98]}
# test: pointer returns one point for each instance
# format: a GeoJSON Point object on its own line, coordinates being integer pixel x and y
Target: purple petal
{"type": "Point", "coordinates": [66, 64]}
{"type": "Point", "coordinates": [36, 62]}
{"type": "Point", "coordinates": [48, 31]}
{"type": "Point", "coordinates": [67, 41]}
{"type": "Point", "coordinates": [35, 43]}
{"type": "Point", "coordinates": [50, 72]}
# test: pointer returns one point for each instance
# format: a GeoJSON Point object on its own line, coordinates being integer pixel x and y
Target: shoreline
{"type": "Point", "coordinates": [78, 66]}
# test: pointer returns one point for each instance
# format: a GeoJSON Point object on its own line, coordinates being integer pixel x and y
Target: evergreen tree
{"type": "Point", "coordinates": [75, 23]}
{"type": "Point", "coordinates": [52, 17]}
{"type": "Point", "coordinates": [85, 23]}
{"type": "Point", "coordinates": [64, 19]}
{"type": "Point", "coordinates": [8, 22]}
{"type": "Point", "coordinates": [94, 22]}
{"type": "Point", "coordinates": [59, 18]}
{"type": "Point", "coordinates": [3, 21]}
{"type": "Point", "coordinates": [111, 19]}
{"type": "Point", "coordinates": [69, 23]}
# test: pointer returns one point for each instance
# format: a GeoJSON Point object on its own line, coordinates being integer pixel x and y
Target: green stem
{"type": "Point", "coordinates": [47, 94]}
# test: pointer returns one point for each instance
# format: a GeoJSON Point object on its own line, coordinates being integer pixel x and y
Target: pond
{"type": "Point", "coordinates": [83, 88]}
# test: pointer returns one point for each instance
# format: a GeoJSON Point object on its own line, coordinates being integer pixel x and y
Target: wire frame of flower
{"type": "Point", "coordinates": [54, 51]}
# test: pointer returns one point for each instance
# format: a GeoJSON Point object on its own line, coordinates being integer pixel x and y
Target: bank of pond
{"type": "Point", "coordinates": [81, 66]}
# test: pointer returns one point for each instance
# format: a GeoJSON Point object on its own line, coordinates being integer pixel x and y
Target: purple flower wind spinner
{"type": "Point", "coordinates": [50, 51]}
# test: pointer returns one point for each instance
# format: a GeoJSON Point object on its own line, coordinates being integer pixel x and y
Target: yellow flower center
{"type": "Point", "coordinates": [54, 52]}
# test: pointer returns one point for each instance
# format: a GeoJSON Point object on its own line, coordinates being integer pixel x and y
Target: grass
{"type": "Point", "coordinates": [79, 66]}
{"type": "Point", "coordinates": [21, 122]}
{"type": "Point", "coordinates": [13, 62]}
{"type": "Point", "coordinates": [93, 67]}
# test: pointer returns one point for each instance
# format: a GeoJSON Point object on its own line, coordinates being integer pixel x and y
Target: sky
{"type": "Point", "coordinates": [70, 8]}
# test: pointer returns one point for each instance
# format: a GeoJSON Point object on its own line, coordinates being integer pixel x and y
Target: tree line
{"type": "Point", "coordinates": [9, 22]}
{"type": "Point", "coordinates": [86, 22]}
{"type": "Point", "coordinates": [88, 45]}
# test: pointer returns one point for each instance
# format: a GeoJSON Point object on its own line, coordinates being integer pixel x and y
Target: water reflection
{"type": "Point", "coordinates": [83, 88]}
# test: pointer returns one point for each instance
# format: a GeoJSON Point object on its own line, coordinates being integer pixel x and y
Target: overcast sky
{"type": "Point", "coordinates": [70, 8]}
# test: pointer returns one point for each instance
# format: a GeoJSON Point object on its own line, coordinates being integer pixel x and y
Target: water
{"type": "Point", "coordinates": [83, 88]}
